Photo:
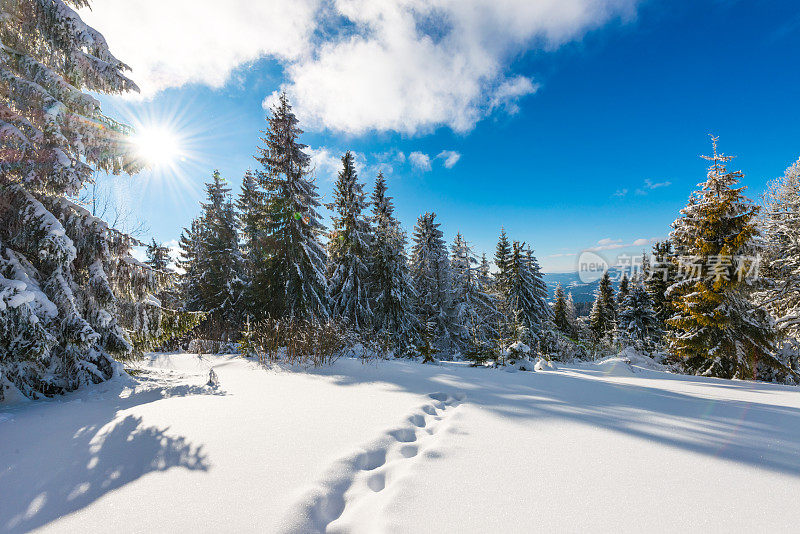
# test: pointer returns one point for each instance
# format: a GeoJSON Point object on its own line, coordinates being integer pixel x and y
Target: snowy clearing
{"type": "Point", "coordinates": [396, 446]}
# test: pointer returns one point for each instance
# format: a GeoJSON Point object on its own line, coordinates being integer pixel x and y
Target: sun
{"type": "Point", "coordinates": [158, 146]}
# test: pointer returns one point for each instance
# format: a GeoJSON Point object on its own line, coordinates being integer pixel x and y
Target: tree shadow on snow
{"type": "Point", "coordinates": [754, 433]}
{"type": "Point", "coordinates": [84, 453]}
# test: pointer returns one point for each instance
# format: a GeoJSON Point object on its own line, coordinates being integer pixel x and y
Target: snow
{"type": "Point", "coordinates": [396, 446]}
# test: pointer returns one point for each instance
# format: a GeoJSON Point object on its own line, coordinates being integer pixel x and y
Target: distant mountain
{"type": "Point", "coordinates": [571, 282]}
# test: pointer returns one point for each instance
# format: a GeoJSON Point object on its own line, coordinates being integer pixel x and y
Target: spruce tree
{"type": "Point", "coordinates": [213, 262]}
{"type": "Point", "coordinates": [474, 309]}
{"type": "Point", "coordinates": [249, 208]}
{"type": "Point", "coordinates": [544, 314]}
{"type": "Point", "coordinates": [659, 275]}
{"type": "Point", "coordinates": [502, 256]}
{"type": "Point", "coordinates": [603, 315]}
{"type": "Point", "coordinates": [560, 311]}
{"type": "Point", "coordinates": [490, 314]}
{"type": "Point", "coordinates": [526, 292]}
{"type": "Point", "coordinates": [430, 273]}
{"type": "Point", "coordinates": [607, 297]}
{"type": "Point", "coordinates": [717, 330]}
{"type": "Point", "coordinates": [68, 285]}
{"type": "Point", "coordinates": [158, 259]}
{"type": "Point", "coordinates": [393, 294]}
{"type": "Point", "coordinates": [190, 259]}
{"type": "Point", "coordinates": [289, 281]}
{"type": "Point", "coordinates": [638, 324]}
{"type": "Point", "coordinates": [781, 265]}
{"type": "Point", "coordinates": [157, 256]}
{"type": "Point", "coordinates": [622, 291]}
{"type": "Point", "coordinates": [572, 317]}
{"type": "Point", "coordinates": [597, 318]}
{"type": "Point", "coordinates": [349, 249]}
{"type": "Point", "coordinates": [222, 272]}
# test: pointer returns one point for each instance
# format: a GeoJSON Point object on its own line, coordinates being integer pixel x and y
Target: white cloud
{"type": "Point", "coordinates": [450, 158]}
{"type": "Point", "coordinates": [621, 193]}
{"type": "Point", "coordinates": [326, 162]}
{"type": "Point", "coordinates": [614, 244]}
{"type": "Point", "coordinates": [385, 161]}
{"type": "Point", "coordinates": [649, 185]}
{"type": "Point", "coordinates": [175, 42]}
{"type": "Point", "coordinates": [420, 161]}
{"type": "Point", "coordinates": [404, 65]}
{"type": "Point", "coordinates": [510, 91]}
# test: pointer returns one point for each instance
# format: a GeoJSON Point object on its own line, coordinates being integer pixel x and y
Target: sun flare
{"type": "Point", "coordinates": [158, 146]}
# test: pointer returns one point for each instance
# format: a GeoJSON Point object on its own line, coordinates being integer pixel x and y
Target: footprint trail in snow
{"type": "Point", "coordinates": [356, 488]}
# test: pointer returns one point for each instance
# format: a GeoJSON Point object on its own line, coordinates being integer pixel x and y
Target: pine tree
{"type": "Point", "coordinates": [474, 309]}
{"type": "Point", "coordinates": [191, 256]}
{"type": "Point", "coordinates": [603, 315]}
{"type": "Point", "coordinates": [597, 318]}
{"type": "Point", "coordinates": [289, 281]}
{"type": "Point", "coordinates": [213, 262]}
{"type": "Point", "coordinates": [717, 330]}
{"type": "Point", "coordinates": [526, 292]}
{"type": "Point", "coordinates": [502, 256]}
{"type": "Point", "coordinates": [430, 273]}
{"type": "Point", "coordinates": [349, 248]}
{"type": "Point", "coordinates": [608, 300]}
{"type": "Point", "coordinates": [393, 294]}
{"type": "Point", "coordinates": [159, 260]}
{"type": "Point", "coordinates": [544, 314]}
{"type": "Point", "coordinates": [69, 288]}
{"type": "Point", "coordinates": [157, 256]}
{"type": "Point", "coordinates": [249, 207]}
{"type": "Point", "coordinates": [490, 312]}
{"type": "Point", "coordinates": [572, 316]}
{"type": "Point", "coordinates": [781, 224]}
{"type": "Point", "coordinates": [659, 276]}
{"type": "Point", "coordinates": [638, 324]}
{"type": "Point", "coordinates": [622, 291]}
{"type": "Point", "coordinates": [223, 271]}
{"type": "Point", "coordinates": [560, 311]}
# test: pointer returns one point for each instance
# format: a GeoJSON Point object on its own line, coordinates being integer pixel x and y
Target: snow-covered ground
{"type": "Point", "coordinates": [402, 447]}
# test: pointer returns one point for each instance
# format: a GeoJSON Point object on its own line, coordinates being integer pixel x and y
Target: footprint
{"type": "Point", "coordinates": [405, 435]}
{"type": "Point", "coordinates": [417, 420]}
{"type": "Point", "coordinates": [377, 467]}
{"type": "Point", "coordinates": [377, 482]}
{"type": "Point", "coordinates": [409, 451]}
{"type": "Point", "coordinates": [372, 459]}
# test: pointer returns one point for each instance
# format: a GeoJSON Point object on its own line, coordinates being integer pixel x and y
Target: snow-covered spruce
{"type": "Point", "coordinates": [602, 318]}
{"type": "Point", "coordinates": [393, 294]}
{"type": "Point", "coordinates": [348, 251]}
{"type": "Point", "coordinates": [717, 329]}
{"type": "Point", "coordinates": [288, 257]}
{"type": "Point", "coordinates": [430, 273]}
{"type": "Point", "coordinates": [781, 224]}
{"type": "Point", "coordinates": [68, 285]}
{"type": "Point", "coordinates": [474, 308]}
{"type": "Point", "coordinates": [212, 259]}
{"type": "Point", "coordinates": [638, 325]}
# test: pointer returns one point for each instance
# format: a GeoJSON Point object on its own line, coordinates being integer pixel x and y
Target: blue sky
{"type": "Point", "coordinates": [576, 134]}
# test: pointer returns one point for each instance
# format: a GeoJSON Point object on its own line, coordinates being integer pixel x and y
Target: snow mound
{"type": "Point", "coordinates": [544, 365]}
{"type": "Point", "coordinates": [629, 362]}
{"type": "Point", "coordinates": [616, 366]}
